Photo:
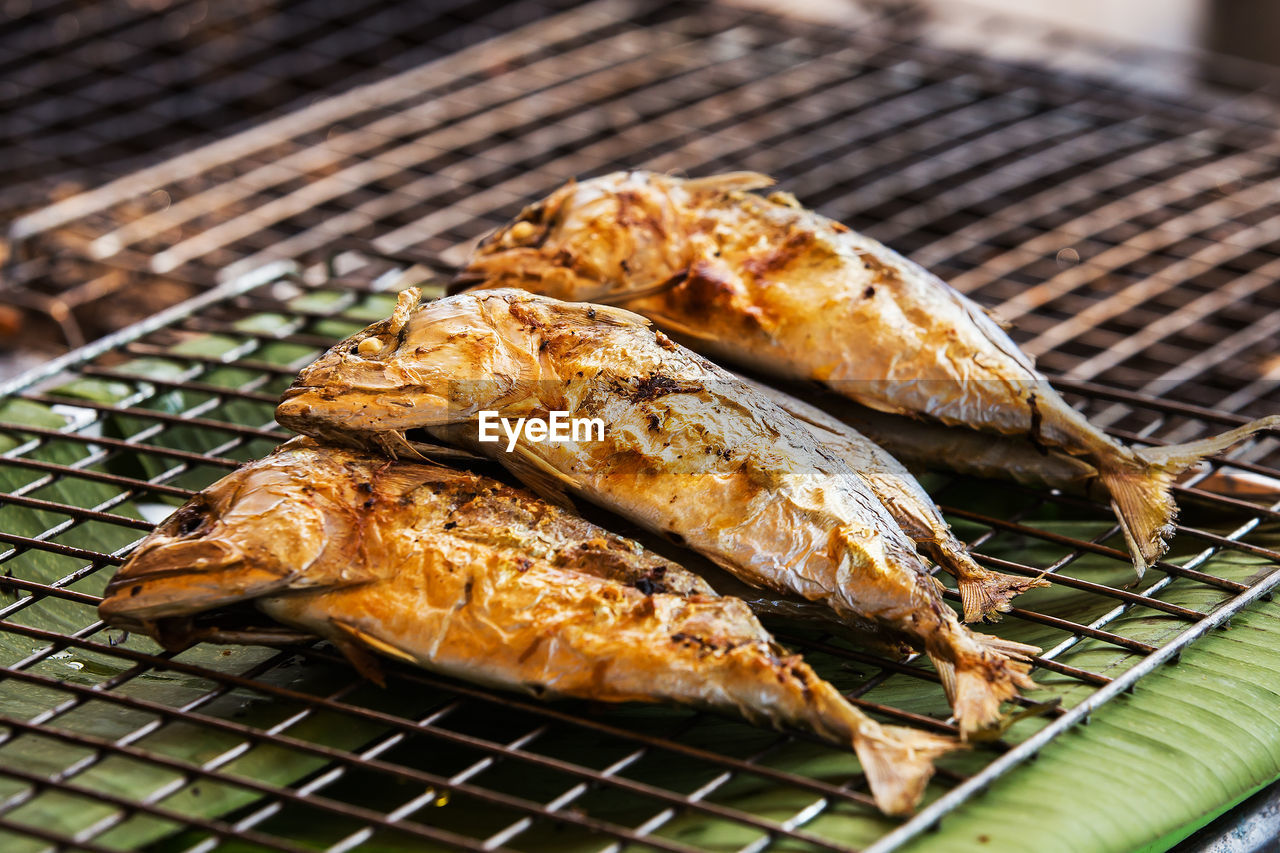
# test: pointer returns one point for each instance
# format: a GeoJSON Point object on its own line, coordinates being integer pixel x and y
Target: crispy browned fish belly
{"type": "Point", "coordinates": [461, 574]}
{"type": "Point", "coordinates": [689, 451]}
{"type": "Point", "coordinates": [765, 283]}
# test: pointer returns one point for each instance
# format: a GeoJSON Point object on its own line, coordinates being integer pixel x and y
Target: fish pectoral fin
{"type": "Point", "coordinates": [619, 297]}
{"type": "Point", "coordinates": [356, 645]}
{"type": "Point", "coordinates": [394, 445]}
{"type": "Point", "coordinates": [542, 478]}
{"type": "Point", "coordinates": [438, 454]}
{"type": "Point", "coordinates": [403, 479]}
{"type": "Point", "coordinates": [680, 329]}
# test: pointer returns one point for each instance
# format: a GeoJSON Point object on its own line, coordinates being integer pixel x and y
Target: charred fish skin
{"type": "Point", "coordinates": [461, 574]}
{"type": "Point", "coordinates": [985, 594]}
{"type": "Point", "coordinates": [689, 452]}
{"type": "Point", "coordinates": [767, 284]}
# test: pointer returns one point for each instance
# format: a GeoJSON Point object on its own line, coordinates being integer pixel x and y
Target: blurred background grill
{"type": "Point", "coordinates": [1118, 204]}
{"type": "Point", "coordinates": [1125, 233]}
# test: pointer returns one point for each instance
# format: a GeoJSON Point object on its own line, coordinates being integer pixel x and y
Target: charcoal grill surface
{"type": "Point", "coordinates": [1132, 239]}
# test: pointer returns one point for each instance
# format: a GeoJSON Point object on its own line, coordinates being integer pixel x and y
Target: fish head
{"type": "Point", "coordinates": [281, 524]}
{"type": "Point", "coordinates": [590, 239]}
{"type": "Point", "coordinates": [428, 365]}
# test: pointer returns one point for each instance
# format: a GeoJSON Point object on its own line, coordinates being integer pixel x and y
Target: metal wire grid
{"type": "Point", "coordinates": [962, 165]}
{"type": "Point", "coordinates": [219, 425]}
{"type": "Point", "coordinates": [91, 91]}
{"type": "Point", "coordinates": [1122, 234]}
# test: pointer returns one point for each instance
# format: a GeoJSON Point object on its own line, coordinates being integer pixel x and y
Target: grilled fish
{"type": "Point", "coordinates": [984, 593]}
{"type": "Point", "coordinates": [464, 575]}
{"type": "Point", "coordinates": [765, 283]}
{"type": "Point", "coordinates": [689, 451]}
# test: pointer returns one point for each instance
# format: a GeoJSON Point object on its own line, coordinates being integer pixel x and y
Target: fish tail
{"type": "Point", "coordinates": [984, 593]}
{"type": "Point", "coordinates": [898, 762]}
{"type": "Point", "coordinates": [1139, 481]}
{"type": "Point", "coordinates": [977, 681]}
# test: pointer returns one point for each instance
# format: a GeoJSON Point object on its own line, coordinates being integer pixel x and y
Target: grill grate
{"type": "Point", "coordinates": [91, 92]}
{"type": "Point", "coordinates": [1132, 240]}
{"type": "Point", "coordinates": [96, 90]}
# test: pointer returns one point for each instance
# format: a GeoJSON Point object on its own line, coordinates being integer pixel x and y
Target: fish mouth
{"type": "Point", "coordinates": [235, 624]}
{"type": "Point", "coordinates": [169, 579]}
{"type": "Point", "coordinates": [295, 404]}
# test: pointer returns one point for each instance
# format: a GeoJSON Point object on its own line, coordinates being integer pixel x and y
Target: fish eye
{"type": "Point", "coordinates": [369, 347]}
{"type": "Point", "coordinates": [522, 231]}
{"type": "Point", "coordinates": [190, 519]}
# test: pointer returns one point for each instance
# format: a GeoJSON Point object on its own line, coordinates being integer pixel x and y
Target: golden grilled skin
{"type": "Point", "coordinates": [689, 452]}
{"type": "Point", "coordinates": [461, 574]}
{"type": "Point", "coordinates": [762, 282]}
{"type": "Point", "coordinates": [984, 593]}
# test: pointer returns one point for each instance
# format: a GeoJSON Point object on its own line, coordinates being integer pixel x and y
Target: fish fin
{"type": "Point", "coordinates": [785, 199]}
{"type": "Point", "coordinates": [1139, 483]}
{"type": "Point", "coordinates": [1023, 652]}
{"type": "Point", "coordinates": [393, 444]}
{"type": "Point", "coordinates": [1005, 325]}
{"type": "Point", "coordinates": [947, 675]}
{"type": "Point", "coordinates": [356, 645]}
{"type": "Point", "coordinates": [680, 329]}
{"type": "Point", "coordinates": [618, 297]}
{"type": "Point", "coordinates": [986, 680]}
{"type": "Point", "coordinates": [403, 479]}
{"type": "Point", "coordinates": [438, 454]}
{"type": "Point", "coordinates": [549, 483]}
{"type": "Point", "coordinates": [609, 315]}
{"type": "Point", "coordinates": [988, 595]}
{"type": "Point", "coordinates": [898, 762]}
{"type": "Point", "coordinates": [728, 182]}
{"type": "Point", "coordinates": [984, 593]}
{"type": "Point", "coordinates": [405, 303]}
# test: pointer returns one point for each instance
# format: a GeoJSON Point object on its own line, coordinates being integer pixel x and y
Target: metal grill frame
{"type": "Point", "coordinates": [983, 252]}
